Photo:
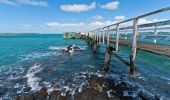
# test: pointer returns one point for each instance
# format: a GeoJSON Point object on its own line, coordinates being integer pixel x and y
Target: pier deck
{"type": "Point", "coordinates": [150, 47]}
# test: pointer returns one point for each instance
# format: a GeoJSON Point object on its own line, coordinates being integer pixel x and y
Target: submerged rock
{"type": "Point", "coordinates": [91, 94]}
{"type": "Point", "coordinates": [25, 97]}
{"type": "Point", "coordinates": [55, 95]}
{"type": "Point", "coordinates": [97, 88]}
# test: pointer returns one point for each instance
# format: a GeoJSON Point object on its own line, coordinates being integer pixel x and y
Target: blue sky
{"type": "Point", "coordinates": [56, 16]}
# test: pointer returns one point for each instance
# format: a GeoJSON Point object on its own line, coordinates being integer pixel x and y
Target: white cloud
{"type": "Point", "coordinates": [9, 2]}
{"type": "Point", "coordinates": [120, 18]}
{"type": "Point", "coordinates": [77, 27]}
{"type": "Point", "coordinates": [78, 7]}
{"type": "Point", "coordinates": [24, 2]}
{"type": "Point", "coordinates": [33, 2]}
{"type": "Point", "coordinates": [97, 18]}
{"type": "Point", "coordinates": [85, 27]}
{"type": "Point", "coordinates": [111, 5]}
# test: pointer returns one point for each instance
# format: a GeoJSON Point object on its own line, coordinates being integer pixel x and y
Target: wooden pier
{"type": "Point", "coordinates": [105, 35]}
{"type": "Point", "coordinates": [150, 47]}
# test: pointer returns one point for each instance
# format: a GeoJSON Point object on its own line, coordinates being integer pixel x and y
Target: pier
{"type": "Point", "coordinates": [112, 34]}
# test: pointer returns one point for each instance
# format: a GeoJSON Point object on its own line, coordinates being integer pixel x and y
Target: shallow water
{"type": "Point", "coordinates": [36, 61]}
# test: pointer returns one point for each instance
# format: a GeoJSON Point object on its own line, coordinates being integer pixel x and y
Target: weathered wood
{"type": "Point", "coordinates": [107, 60]}
{"type": "Point", "coordinates": [108, 36]}
{"type": "Point", "coordinates": [134, 43]}
{"type": "Point", "coordinates": [117, 37]}
{"type": "Point", "coordinates": [149, 47]}
{"type": "Point", "coordinates": [130, 64]}
{"type": "Point", "coordinates": [99, 37]}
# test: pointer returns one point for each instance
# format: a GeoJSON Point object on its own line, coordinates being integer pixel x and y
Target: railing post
{"type": "Point", "coordinates": [134, 43]}
{"type": "Point", "coordinates": [117, 37]}
{"type": "Point", "coordinates": [126, 33]}
{"type": "Point", "coordinates": [155, 34]}
{"type": "Point", "coordinates": [103, 35]}
{"type": "Point", "coordinates": [99, 37]}
{"type": "Point", "coordinates": [95, 36]}
{"type": "Point", "coordinates": [108, 36]}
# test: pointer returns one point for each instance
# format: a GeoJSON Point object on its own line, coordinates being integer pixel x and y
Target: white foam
{"type": "Point", "coordinates": [36, 55]}
{"type": "Point", "coordinates": [65, 47]}
{"type": "Point", "coordinates": [81, 86]}
{"type": "Point", "coordinates": [108, 93]}
{"type": "Point", "coordinates": [33, 81]}
{"type": "Point", "coordinates": [56, 48]}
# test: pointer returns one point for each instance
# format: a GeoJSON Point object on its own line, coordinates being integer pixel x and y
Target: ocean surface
{"type": "Point", "coordinates": [37, 60]}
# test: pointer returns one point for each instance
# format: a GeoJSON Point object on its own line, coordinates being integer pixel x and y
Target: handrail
{"type": "Point", "coordinates": [138, 17]}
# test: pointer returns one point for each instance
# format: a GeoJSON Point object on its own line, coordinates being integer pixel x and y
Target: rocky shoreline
{"type": "Point", "coordinates": [97, 88]}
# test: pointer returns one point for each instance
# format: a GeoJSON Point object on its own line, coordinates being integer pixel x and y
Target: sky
{"type": "Point", "coordinates": [57, 16]}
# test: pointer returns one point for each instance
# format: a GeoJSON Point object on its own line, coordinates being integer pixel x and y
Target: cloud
{"type": "Point", "coordinates": [120, 18]}
{"type": "Point", "coordinates": [78, 7]}
{"type": "Point", "coordinates": [86, 27]}
{"type": "Point", "coordinates": [77, 27]}
{"type": "Point", "coordinates": [97, 18]}
{"type": "Point", "coordinates": [33, 2]}
{"type": "Point", "coordinates": [24, 2]}
{"type": "Point", "coordinates": [9, 2]}
{"type": "Point", "coordinates": [111, 5]}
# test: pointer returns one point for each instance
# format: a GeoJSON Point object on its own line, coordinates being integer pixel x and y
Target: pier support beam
{"type": "Point", "coordinates": [117, 37]}
{"type": "Point", "coordinates": [134, 47]}
{"type": "Point", "coordinates": [99, 38]}
{"type": "Point", "coordinates": [108, 54]}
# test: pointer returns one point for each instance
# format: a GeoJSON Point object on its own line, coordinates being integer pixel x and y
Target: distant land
{"type": "Point", "coordinates": [16, 34]}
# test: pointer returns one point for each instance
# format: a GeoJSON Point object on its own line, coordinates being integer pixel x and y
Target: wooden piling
{"type": "Point", "coordinates": [108, 36]}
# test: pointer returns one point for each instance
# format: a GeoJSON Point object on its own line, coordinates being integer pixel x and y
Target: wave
{"type": "Point", "coordinates": [32, 80]}
{"type": "Point", "coordinates": [37, 55]}
{"type": "Point", "coordinates": [57, 48]}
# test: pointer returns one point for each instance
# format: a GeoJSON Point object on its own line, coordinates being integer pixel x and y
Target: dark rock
{"type": "Point", "coordinates": [25, 97]}
{"type": "Point", "coordinates": [96, 83]}
{"type": "Point", "coordinates": [56, 95]}
{"type": "Point", "coordinates": [42, 94]}
{"type": "Point", "coordinates": [114, 98]}
{"type": "Point", "coordinates": [110, 84]}
{"type": "Point", "coordinates": [120, 88]}
{"type": "Point", "coordinates": [126, 98]}
{"type": "Point", "coordinates": [27, 89]}
{"type": "Point", "coordinates": [91, 94]}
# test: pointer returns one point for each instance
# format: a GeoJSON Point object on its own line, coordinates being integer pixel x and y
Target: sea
{"type": "Point", "coordinates": [29, 62]}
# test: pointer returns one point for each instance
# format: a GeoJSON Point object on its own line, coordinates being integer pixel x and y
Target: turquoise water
{"type": "Point", "coordinates": [37, 60]}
